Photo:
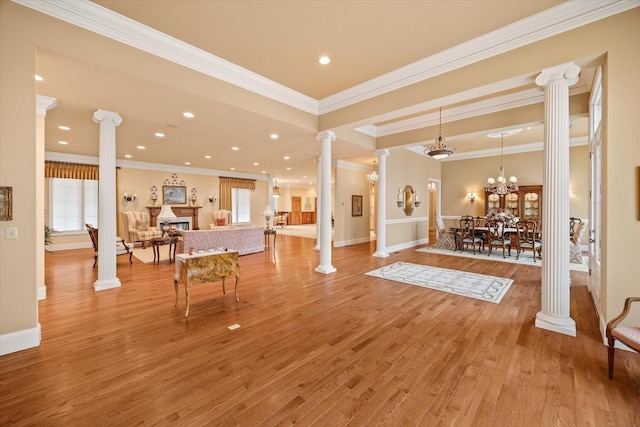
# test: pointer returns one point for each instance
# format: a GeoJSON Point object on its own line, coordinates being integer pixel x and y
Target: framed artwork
{"type": "Point", "coordinates": [356, 205]}
{"type": "Point", "coordinates": [174, 194]}
{"type": "Point", "coordinates": [6, 213]}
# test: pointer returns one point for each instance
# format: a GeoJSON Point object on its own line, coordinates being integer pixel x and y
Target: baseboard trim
{"type": "Point", "coordinates": [20, 340]}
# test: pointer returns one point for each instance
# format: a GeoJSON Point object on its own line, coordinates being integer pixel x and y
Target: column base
{"type": "Point", "coordinates": [316, 248]}
{"type": "Point", "coordinates": [42, 292]}
{"type": "Point", "coordinates": [325, 269]}
{"type": "Point", "coordinates": [380, 254]}
{"type": "Point", "coordinates": [561, 325]}
{"type": "Point", "coordinates": [101, 285]}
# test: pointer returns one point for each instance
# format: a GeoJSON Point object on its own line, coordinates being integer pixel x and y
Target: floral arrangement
{"type": "Point", "coordinates": [508, 218]}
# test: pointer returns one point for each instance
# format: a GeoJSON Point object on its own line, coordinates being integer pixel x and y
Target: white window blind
{"type": "Point", "coordinates": [72, 203]}
{"type": "Point", "coordinates": [240, 205]}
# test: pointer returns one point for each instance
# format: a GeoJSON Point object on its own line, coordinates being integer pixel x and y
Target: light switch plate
{"type": "Point", "coordinates": [11, 233]}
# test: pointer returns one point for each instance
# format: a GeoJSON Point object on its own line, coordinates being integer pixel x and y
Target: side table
{"type": "Point", "coordinates": [156, 242]}
{"type": "Point", "coordinates": [267, 233]}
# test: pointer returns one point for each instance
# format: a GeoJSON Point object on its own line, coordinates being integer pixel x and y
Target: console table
{"type": "Point", "coordinates": [180, 211]}
{"type": "Point", "coordinates": [205, 267]}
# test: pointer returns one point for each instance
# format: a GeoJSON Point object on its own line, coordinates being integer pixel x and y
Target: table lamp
{"type": "Point", "coordinates": [268, 213]}
{"type": "Point", "coordinates": [164, 216]}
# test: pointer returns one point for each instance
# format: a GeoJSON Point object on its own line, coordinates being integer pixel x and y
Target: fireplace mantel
{"type": "Point", "coordinates": [180, 211]}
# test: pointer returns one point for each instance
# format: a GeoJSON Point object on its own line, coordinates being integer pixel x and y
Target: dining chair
{"type": "Point", "coordinates": [527, 239]}
{"type": "Point", "coordinates": [573, 225]}
{"type": "Point", "coordinates": [497, 236]}
{"type": "Point", "coordinates": [467, 235]}
{"type": "Point", "coordinates": [628, 335]}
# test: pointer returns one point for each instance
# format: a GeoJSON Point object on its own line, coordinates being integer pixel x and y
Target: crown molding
{"type": "Point", "coordinates": [564, 17]}
{"type": "Point", "coordinates": [100, 20]}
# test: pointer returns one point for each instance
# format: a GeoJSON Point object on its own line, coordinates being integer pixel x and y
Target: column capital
{"type": "Point", "coordinates": [327, 134]}
{"type": "Point", "coordinates": [101, 115]}
{"type": "Point", "coordinates": [44, 104]}
{"type": "Point", "coordinates": [569, 72]}
{"type": "Point", "coordinates": [383, 152]}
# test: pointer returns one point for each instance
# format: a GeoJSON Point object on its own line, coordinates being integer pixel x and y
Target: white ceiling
{"type": "Point", "coordinates": [273, 47]}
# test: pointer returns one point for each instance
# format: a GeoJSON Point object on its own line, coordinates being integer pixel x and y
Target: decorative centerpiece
{"type": "Point", "coordinates": [509, 219]}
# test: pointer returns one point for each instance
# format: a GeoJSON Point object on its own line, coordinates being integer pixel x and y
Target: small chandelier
{"type": "Point", "coordinates": [499, 186]}
{"type": "Point", "coordinates": [372, 178]}
{"type": "Point", "coordinates": [439, 150]}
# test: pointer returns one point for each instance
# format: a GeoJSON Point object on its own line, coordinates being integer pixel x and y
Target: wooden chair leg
{"type": "Point", "coordinates": [95, 260]}
{"type": "Point", "coordinates": [611, 356]}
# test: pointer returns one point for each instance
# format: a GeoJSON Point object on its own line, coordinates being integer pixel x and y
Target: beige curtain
{"type": "Point", "coordinates": [226, 184]}
{"type": "Point", "coordinates": [70, 170]}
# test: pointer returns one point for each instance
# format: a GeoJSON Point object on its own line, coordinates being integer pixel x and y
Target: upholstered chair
{"type": "Point", "coordinates": [138, 229]}
{"type": "Point", "coordinates": [575, 253]}
{"type": "Point", "coordinates": [122, 248]}
{"type": "Point", "coordinates": [444, 238]}
{"type": "Point", "coordinates": [627, 334]}
{"type": "Point", "coordinates": [221, 218]}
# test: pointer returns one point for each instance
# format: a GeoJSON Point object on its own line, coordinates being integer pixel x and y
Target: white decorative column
{"type": "Point", "coordinates": [106, 201]}
{"type": "Point", "coordinates": [318, 206]}
{"type": "Point", "coordinates": [325, 266]}
{"type": "Point", "coordinates": [43, 104]}
{"type": "Point", "coordinates": [381, 204]}
{"type": "Point", "coordinates": [555, 313]}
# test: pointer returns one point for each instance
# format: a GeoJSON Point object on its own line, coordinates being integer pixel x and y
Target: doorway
{"type": "Point", "coordinates": [434, 208]}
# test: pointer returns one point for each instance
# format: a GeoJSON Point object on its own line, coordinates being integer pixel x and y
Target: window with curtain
{"type": "Point", "coordinates": [72, 203]}
{"type": "Point", "coordinates": [240, 205]}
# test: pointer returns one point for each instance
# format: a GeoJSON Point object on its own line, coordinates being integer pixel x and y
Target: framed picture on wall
{"type": "Point", "coordinates": [356, 205]}
{"type": "Point", "coordinates": [174, 194]}
{"type": "Point", "coordinates": [6, 213]}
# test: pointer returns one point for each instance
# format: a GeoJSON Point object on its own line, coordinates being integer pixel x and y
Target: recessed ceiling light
{"type": "Point", "coordinates": [264, 171]}
{"type": "Point", "coordinates": [235, 148]}
{"type": "Point", "coordinates": [305, 177]}
{"type": "Point", "coordinates": [64, 128]}
{"type": "Point", "coordinates": [188, 115]}
{"type": "Point", "coordinates": [141, 147]}
{"type": "Point", "coordinates": [232, 169]}
{"type": "Point", "coordinates": [128, 156]}
{"type": "Point", "coordinates": [160, 134]}
{"type": "Point", "coordinates": [63, 142]}
{"type": "Point", "coordinates": [256, 163]}
{"type": "Point", "coordinates": [324, 60]}
{"type": "Point", "coordinates": [187, 163]}
{"type": "Point", "coordinates": [288, 168]}
{"type": "Point", "coordinates": [38, 78]}
{"type": "Point", "coordinates": [273, 136]}
{"type": "Point", "coordinates": [286, 157]}
{"type": "Point", "coordinates": [207, 157]}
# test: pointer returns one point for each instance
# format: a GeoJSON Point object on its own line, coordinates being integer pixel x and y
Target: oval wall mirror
{"type": "Point", "coordinates": [408, 200]}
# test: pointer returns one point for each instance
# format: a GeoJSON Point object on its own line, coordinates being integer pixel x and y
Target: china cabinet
{"type": "Point", "coordinates": [526, 203]}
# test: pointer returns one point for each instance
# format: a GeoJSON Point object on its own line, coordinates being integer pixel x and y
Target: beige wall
{"type": "Point", "coordinates": [284, 202]}
{"type": "Point", "coordinates": [350, 229]}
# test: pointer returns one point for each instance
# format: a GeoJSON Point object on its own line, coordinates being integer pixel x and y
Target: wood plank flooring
{"type": "Point", "coordinates": [327, 350]}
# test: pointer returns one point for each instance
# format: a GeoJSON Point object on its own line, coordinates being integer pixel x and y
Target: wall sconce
{"type": "Point", "coordinates": [129, 197]}
{"type": "Point", "coordinates": [212, 199]}
{"type": "Point", "coordinates": [472, 197]}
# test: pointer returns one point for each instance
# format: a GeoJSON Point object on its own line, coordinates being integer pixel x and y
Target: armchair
{"type": "Point", "coordinates": [444, 238]}
{"type": "Point", "coordinates": [628, 335]}
{"type": "Point", "coordinates": [122, 248]}
{"type": "Point", "coordinates": [137, 226]}
{"type": "Point", "coordinates": [221, 218]}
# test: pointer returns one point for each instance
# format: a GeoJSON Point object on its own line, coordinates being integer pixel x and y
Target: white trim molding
{"type": "Point", "coordinates": [20, 340]}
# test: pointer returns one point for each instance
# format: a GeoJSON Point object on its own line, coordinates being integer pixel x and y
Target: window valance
{"type": "Point", "coordinates": [70, 170]}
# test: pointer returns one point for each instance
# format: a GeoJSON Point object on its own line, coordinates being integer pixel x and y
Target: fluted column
{"type": "Point", "coordinates": [43, 104]}
{"type": "Point", "coordinates": [318, 206]}
{"type": "Point", "coordinates": [555, 312]}
{"type": "Point", "coordinates": [381, 204]}
{"type": "Point", "coordinates": [325, 266]}
{"type": "Point", "coordinates": [106, 201]}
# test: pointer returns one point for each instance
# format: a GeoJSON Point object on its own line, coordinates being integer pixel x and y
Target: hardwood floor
{"type": "Point", "coordinates": [312, 349]}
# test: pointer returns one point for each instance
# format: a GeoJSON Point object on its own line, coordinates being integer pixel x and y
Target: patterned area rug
{"type": "Point", "coordinates": [496, 255]}
{"type": "Point", "coordinates": [146, 255]}
{"type": "Point", "coordinates": [472, 285]}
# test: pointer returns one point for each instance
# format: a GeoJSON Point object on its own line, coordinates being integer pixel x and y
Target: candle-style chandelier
{"type": "Point", "coordinates": [500, 186]}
